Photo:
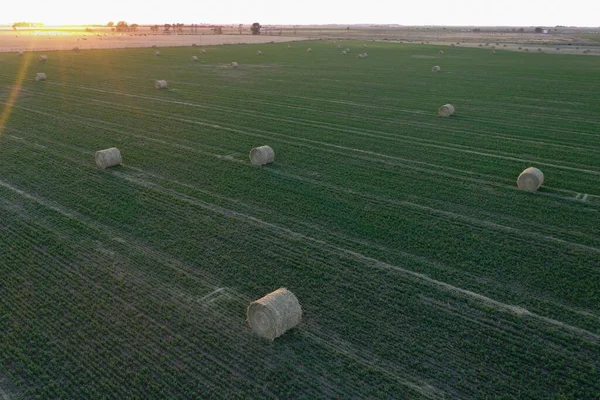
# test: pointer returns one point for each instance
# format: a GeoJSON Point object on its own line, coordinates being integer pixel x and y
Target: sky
{"type": "Point", "coordinates": [306, 12]}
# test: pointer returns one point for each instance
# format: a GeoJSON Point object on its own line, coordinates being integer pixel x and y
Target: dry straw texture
{"type": "Point", "coordinates": [234, 64]}
{"type": "Point", "coordinates": [274, 314]}
{"type": "Point", "coordinates": [160, 84]}
{"type": "Point", "coordinates": [194, 58]}
{"type": "Point", "coordinates": [108, 158]}
{"type": "Point", "coordinates": [446, 110]}
{"type": "Point", "coordinates": [262, 155]}
{"type": "Point", "coordinates": [40, 76]}
{"type": "Point", "coordinates": [43, 58]}
{"type": "Point", "coordinates": [531, 179]}
{"type": "Point", "coordinates": [436, 68]}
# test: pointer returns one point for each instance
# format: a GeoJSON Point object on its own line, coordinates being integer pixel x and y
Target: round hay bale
{"type": "Point", "coordinates": [359, 56]}
{"type": "Point", "coordinates": [339, 46]}
{"type": "Point", "coordinates": [364, 55]}
{"type": "Point", "coordinates": [20, 53]}
{"type": "Point", "coordinates": [493, 52]}
{"type": "Point", "coordinates": [289, 47]}
{"type": "Point", "coordinates": [436, 68]}
{"type": "Point", "coordinates": [43, 59]}
{"type": "Point", "coordinates": [160, 84]}
{"type": "Point", "coordinates": [108, 158]}
{"type": "Point", "coordinates": [203, 51]}
{"type": "Point", "coordinates": [344, 52]}
{"type": "Point", "coordinates": [272, 315]}
{"type": "Point", "coordinates": [446, 110]}
{"type": "Point", "coordinates": [194, 58]}
{"type": "Point", "coordinates": [234, 64]}
{"type": "Point", "coordinates": [347, 50]}
{"type": "Point", "coordinates": [309, 50]}
{"type": "Point", "coordinates": [259, 53]}
{"type": "Point", "coordinates": [441, 52]}
{"type": "Point", "coordinates": [157, 53]}
{"type": "Point", "coordinates": [40, 76]}
{"type": "Point", "coordinates": [262, 155]}
{"type": "Point", "coordinates": [530, 179]}
{"type": "Point", "coordinates": [364, 45]}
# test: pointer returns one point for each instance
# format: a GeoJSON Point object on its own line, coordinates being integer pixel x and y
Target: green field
{"type": "Point", "coordinates": [423, 272]}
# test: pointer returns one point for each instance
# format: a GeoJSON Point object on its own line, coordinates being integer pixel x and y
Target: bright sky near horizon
{"type": "Point", "coordinates": [423, 12]}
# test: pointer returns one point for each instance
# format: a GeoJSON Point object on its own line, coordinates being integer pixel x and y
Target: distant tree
{"type": "Point", "coordinates": [521, 30]}
{"type": "Point", "coordinates": [122, 26]}
{"type": "Point", "coordinates": [255, 28]}
{"type": "Point", "coordinates": [14, 26]}
{"type": "Point", "coordinates": [538, 30]}
{"type": "Point", "coordinates": [110, 24]}
{"type": "Point", "coordinates": [167, 27]}
{"type": "Point", "coordinates": [134, 27]}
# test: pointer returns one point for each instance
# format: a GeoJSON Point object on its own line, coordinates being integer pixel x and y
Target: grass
{"type": "Point", "coordinates": [421, 269]}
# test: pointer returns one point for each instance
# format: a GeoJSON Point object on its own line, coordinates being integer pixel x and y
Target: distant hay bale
{"type": "Point", "coordinates": [40, 76]}
{"type": "Point", "coordinates": [339, 46]}
{"type": "Point", "coordinates": [157, 53]}
{"type": "Point", "coordinates": [309, 50]}
{"type": "Point", "coordinates": [344, 52]}
{"type": "Point", "coordinates": [446, 110]}
{"type": "Point", "coordinates": [365, 55]}
{"type": "Point", "coordinates": [108, 158]}
{"type": "Point", "coordinates": [364, 45]}
{"type": "Point", "coordinates": [530, 179]}
{"type": "Point", "coordinates": [194, 58]}
{"type": "Point", "coordinates": [160, 84]}
{"type": "Point", "coordinates": [441, 52]}
{"type": "Point", "coordinates": [493, 52]}
{"type": "Point", "coordinates": [259, 53]}
{"type": "Point", "coordinates": [359, 56]}
{"type": "Point", "coordinates": [19, 53]}
{"type": "Point", "coordinates": [43, 59]}
{"type": "Point", "coordinates": [347, 50]}
{"type": "Point", "coordinates": [272, 315]}
{"type": "Point", "coordinates": [234, 64]}
{"type": "Point", "coordinates": [289, 47]}
{"type": "Point", "coordinates": [262, 155]}
{"type": "Point", "coordinates": [203, 51]}
{"type": "Point", "coordinates": [436, 68]}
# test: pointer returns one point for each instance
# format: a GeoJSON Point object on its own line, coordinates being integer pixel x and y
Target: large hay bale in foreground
{"type": "Point", "coordinates": [160, 84]}
{"type": "Point", "coordinates": [271, 316]}
{"type": "Point", "coordinates": [194, 58]}
{"type": "Point", "coordinates": [234, 64]}
{"type": "Point", "coordinates": [43, 59]}
{"type": "Point", "coordinates": [446, 110]}
{"type": "Point", "coordinates": [262, 155]}
{"type": "Point", "coordinates": [40, 76]}
{"type": "Point", "coordinates": [108, 158]}
{"type": "Point", "coordinates": [436, 68]}
{"type": "Point", "coordinates": [530, 179]}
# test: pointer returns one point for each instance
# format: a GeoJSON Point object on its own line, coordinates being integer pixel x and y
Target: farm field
{"type": "Point", "coordinates": [422, 271]}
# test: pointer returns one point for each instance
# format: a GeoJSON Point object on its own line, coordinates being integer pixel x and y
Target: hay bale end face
{"type": "Point", "coordinates": [234, 64]}
{"type": "Point", "coordinates": [40, 76]}
{"type": "Point", "coordinates": [108, 158]}
{"type": "Point", "coordinates": [530, 179]}
{"type": "Point", "coordinates": [262, 155]}
{"type": "Point", "coordinates": [160, 84]}
{"type": "Point", "coordinates": [446, 110]}
{"type": "Point", "coordinates": [436, 68]}
{"type": "Point", "coordinates": [272, 315]}
{"type": "Point", "coordinates": [194, 58]}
